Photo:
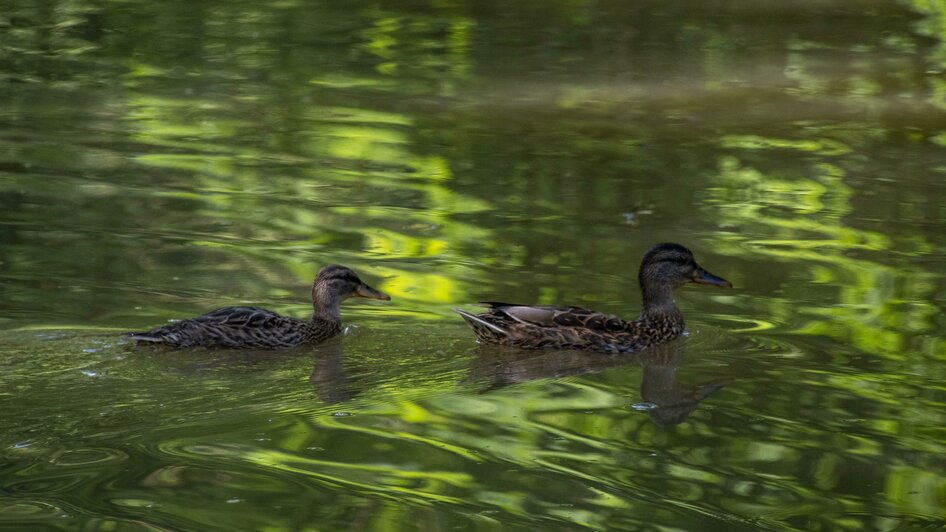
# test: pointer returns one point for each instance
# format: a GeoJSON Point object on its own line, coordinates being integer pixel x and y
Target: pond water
{"type": "Point", "coordinates": [162, 159]}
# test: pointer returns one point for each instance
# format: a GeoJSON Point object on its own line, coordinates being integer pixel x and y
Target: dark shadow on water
{"type": "Point", "coordinates": [329, 381]}
{"type": "Point", "coordinates": [328, 378]}
{"type": "Point", "coordinates": [668, 402]}
{"type": "Point", "coordinates": [197, 359]}
{"type": "Point", "coordinates": [673, 401]}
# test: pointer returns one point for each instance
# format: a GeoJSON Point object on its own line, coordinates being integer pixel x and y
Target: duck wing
{"type": "Point", "coordinates": [552, 327]}
{"type": "Point", "coordinates": [238, 327]}
{"type": "Point", "coordinates": [238, 316]}
{"type": "Point", "coordinates": [557, 316]}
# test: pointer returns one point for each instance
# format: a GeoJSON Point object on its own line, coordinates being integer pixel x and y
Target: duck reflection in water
{"type": "Point", "coordinates": [328, 378]}
{"type": "Point", "coordinates": [669, 402]}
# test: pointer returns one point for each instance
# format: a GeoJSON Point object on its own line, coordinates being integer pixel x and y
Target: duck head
{"type": "Point", "coordinates": [334, 284]}
{"type": "Point", "coordinates": [667, 266]}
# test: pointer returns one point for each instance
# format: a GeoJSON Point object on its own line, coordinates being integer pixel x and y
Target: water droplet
{"type": "Point", "coordinates": [89, 350]}
{"type": "Point", "coordinates": [90, 373]}
{"type": "Point", "coordinates": [341, 414]}
{"type": "Point", "coordinates": [233, 500]}
{"type": "Point", "coordinates": [643, 407]}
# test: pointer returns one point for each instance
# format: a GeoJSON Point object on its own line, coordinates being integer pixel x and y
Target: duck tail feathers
{"type": "Point", "coordinates": [144, 337]}
{"type": "Point", "coordinates": [476, 322]}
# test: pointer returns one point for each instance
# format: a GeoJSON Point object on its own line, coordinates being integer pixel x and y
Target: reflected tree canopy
{"type": "Point", "coordinates": [159, 159]}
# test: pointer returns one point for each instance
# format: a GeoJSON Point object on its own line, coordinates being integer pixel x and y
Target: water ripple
{"type": "Point", "coordinates": [23, 510]}
{"type": "Point", "coordinates": [88, 456]}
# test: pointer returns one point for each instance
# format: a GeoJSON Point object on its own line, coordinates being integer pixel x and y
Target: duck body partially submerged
{"type": "Point", "coordinates": [663, 268]}
{"type": "Point", "coordinates": [254, 327]}
{"type": "Point", "coordinates": [551, 327]}
{"type": "Point", "coordinates": [241, 327]}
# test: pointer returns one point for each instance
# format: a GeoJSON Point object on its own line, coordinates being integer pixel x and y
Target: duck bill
{"type": "Point", "coordinates": [705, 277]}
{"type": "Point", "coordinates": [370, 293]}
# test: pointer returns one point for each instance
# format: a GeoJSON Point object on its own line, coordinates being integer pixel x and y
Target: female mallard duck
{"type": "Point", "coordinates": [261, 328]}
{"type": "Point", "coordinates": [663, 268]}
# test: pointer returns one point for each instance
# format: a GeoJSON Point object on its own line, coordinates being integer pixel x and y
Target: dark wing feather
{"type": "Point", "coordinates": [559, 316]}
{"type": "Point", "coordinates": [240, 327]}
{"type": "Point", "coordinates": [238, 316]}
{"type": "Point", "coordinates": [556, 327]}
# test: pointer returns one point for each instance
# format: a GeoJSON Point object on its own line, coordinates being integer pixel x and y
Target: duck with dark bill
{"type": "Point", "coordinates": [664, 268]}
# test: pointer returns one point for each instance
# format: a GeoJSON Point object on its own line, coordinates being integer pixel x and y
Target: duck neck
{"type": "Point", "coordinates": [326, 304]}
{"type": "Point", "coordinates": [658, 302]}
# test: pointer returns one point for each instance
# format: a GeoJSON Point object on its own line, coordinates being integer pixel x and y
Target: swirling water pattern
{"type": "Point", "coordinates": [160, 160]}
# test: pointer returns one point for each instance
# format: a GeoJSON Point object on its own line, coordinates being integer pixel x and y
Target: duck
{"type": "Point", "coordinates": [254, 327]}
{"type": "Point", "coordinates": [664, 268]}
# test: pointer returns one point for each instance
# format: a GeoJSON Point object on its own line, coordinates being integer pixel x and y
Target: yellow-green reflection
{"type": "Point", "coordinates": [159, 160]}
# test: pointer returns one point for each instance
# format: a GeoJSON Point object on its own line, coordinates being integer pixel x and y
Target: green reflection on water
{"type": "Point", "coordinates": [158, 160]}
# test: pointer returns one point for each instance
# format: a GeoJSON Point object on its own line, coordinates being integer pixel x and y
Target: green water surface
{"type": "Point", "coordinates": [162, 159]}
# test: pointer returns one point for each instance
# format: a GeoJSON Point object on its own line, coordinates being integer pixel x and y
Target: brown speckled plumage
{"type": "Point", "coordinates": [663, 268]}
{"type": "Point", "coordinates": [253, 327]}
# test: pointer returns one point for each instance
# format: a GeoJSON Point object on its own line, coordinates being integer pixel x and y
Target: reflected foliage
{"type": "Point", "coordinates": [160, 159]}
